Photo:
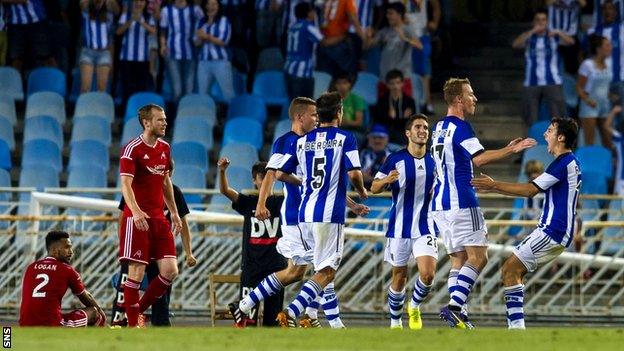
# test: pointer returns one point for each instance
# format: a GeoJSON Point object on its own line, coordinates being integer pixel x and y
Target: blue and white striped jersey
{"type": "Point", "coordinates": [220, 29]}
{"type": "Point", "coordinates": [564, 16]}
{"type": "Point", "coordinates": [292, 193]}
{"type": "Point", "coordinates": [325, 155]}
{"type": "Point", "coordinates": [135, 45]}
{"type": "Point", "coordinates": [618, 141]}
{"type": "Point", "coordinates": [365, 13]}
{"type": "Point", "coordinates": [411, 194]}
{"type": "Point", "coordinates": [301, 42]}
{"type": "Point", "coordinates": [454, 145]}
{"type": "Point", "coordinates": [96, 33]}
{"type": "Point", "coordinates": [597, 15]}
{"type": "Point", "coordinates": [32, 11]}
{"type": "Point", "coordinates": [262, 5]}
{"type": "Point", "coordinates": [542, 61]}
{"type": "Point", "coordinates": [615, 34]}
{"type": "Point", "coordinates": [180, 24]}
{"type": "Point", "coordinates": [288, 12]}
{"type": "Point", "coordinates": [561, 182]}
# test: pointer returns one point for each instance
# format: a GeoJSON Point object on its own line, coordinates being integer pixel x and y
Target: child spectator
{"type": "Point", "coordinates": [353, 107]}
{"type": "Point", "coordinates": [394, 108]}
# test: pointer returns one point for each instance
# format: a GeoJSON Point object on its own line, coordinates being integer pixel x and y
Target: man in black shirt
{"type": "Point", "coordinates": [259, 255]}
{"type": "Point", "coordinates": [394, 108]}
{"type": "Point", "coordinates": [160, 309]}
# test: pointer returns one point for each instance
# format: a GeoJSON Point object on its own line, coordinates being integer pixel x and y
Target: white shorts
{"type": "Point", "coordinates": [328, 243]}
{"type": "Point", "coordinates": [295, 245]}
{"type": "Point", "coordinates": [399, 250]}
{"type": "Point", "coordinates": [461, 227]}
{"type": "Point", "coordinates": [537, 248]}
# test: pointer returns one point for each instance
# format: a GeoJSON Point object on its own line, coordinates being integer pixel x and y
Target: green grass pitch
{"type": "Point", "coordinates": [438, 339]}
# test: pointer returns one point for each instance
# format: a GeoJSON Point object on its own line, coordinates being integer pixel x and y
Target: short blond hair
{"type": "Point", "coordinates": [298, 105]}
{"type": "Point", "coordinates": [145, 113]}
{"type": "Point", "coordinates": [454, 87]}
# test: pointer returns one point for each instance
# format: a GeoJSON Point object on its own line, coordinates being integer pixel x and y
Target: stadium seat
{"type": "Point", "coordinates": [42, 152]}
{"type": "Point", "coordinates": [238, 178]}
{"type": "Point", "coordinates": [5, 156]}
{"type": "Point", "coordinates": [251, 106]}
{"type": "Point", "coordinates": [282, 127]}
{"type": "Point", "coordinates": [569, 91]}
{"type": "Point", "coordinates": [5, 197]}
{"type": "Point", "coordinates": [193, 105]}
{"type": "Point", "coordinates": [594, 182]}
{"type": "Point", "coordinates": [544, 112]}
{"type": "Point", "coordinates": [322, 81]}
{"type": "Point", "coordinates": [253, 134]}
{"type": "Point", "coordinates": [271, 86]}
{"type": "Point", "coordinates": [47, 79]}
{"type": "Point", "coordinates": [74, 92]}
{"type": "Point", "coordinates": [284, 112]}
{"type": "Point", "coordinates": [190, 177]}
{"type": "Point", "coordinates": [537, 152]}
{"type": "Point", "coordinates": [138, 100]}
{"type": "Point", "coordinates": [595, 158]}
{"type": "Point", "coordinates": [11, 83]}
{"type": "Point", "coordinates": [6, 133]}
{"type": "Point", "coordinates": [195, 129]}
{"type": "Point", "coordinates": [240, 155]}
{"type": "Point", "coordinates": [366, 87]}
{"type": "Point", "coordinates": [93, 128]}
{"type": "Point", "coordinates": [190, 154]}
{"type": "Point", "coordinates": [270, 59]}
{"type": "Point", "coordinates": [418, 90]}
{"type": "Point", "coordinates": [581, 138]}
{"type": "Point", "coordinates": [86, 176]}
{"type": "Point", "coordinates": [7, 108]}
{"type": "Point", "coordinates": [240, 87]}
{"type": "Point", "coordinates": [46, 103]}
{"type": "Point", "coordinates": [131, 129]}
{"type": "Point", "coordinates": [536, 131]}
{"type": "Point", "coordinates": [43, 127]}
{"type": "Point", "coordinates": [373, 60]}
{"type": "Point", "coordinates": [89, 153]}
{"type": "Point", "coordinates": [39, 176]}
{"type": "Point", "coordinates": [95, 104]}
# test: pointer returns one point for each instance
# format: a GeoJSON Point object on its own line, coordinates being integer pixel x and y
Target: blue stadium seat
{"type": "Point", "coordinates": [373, 60]}
{"type": "Point", "coordinates": [42, 152]}
{"type": "Point", "coordinates": [195, 129]}
{"type": "Point", "coordinates": [46, 103]}
{"type": "Point", "coordinates": [282, 127]}
{"type": "Point", "coordinates": [47, 79]}
{"type": "Point", "coordinates": [595, 158]}
{"type": "Point", "coordinates": [5, 197]}
{"type": "Point", "coordinates": [253, 134]}
{"type": "Point", "coordinates": [544, 112]}
{"type": "Point", "coordinates": [131, 129]}
{"type": "Point", "coordinates": [7, 108]}
{"type": "Point", "coordinates": [85, 176]}
{"type": "Point", "coordinates": [240, 87]}
{"type": "Point", "coordinates": [271, 86]}
{"type": "Point", "coordinates": [89, 153]}
{"type": "Point", "coordinates": [190, 154]}
{"type": "Point", "coordinates": [193, 105]}
{"type": "Point", "coordinates": [74, 92]}
{"type": "Point", "coordinates": [5, 156]}
{"type": "Point", "coordinates": [6, 133]}
{"type": "Point", "coordinates": [138, 100]}
{"type": "Point", "coordinates": [43, 127]}
{"type": "Point", "coordinates": [11, 83]}
{"type": "Point", "coordinates": [594, 182]}
{"type": "Point", "coordinates": [240, 155]}
{"type": "Point", "coordinates": [537, 152]}
{"type": "Point", "coordinates": [94, 128]}
{"type": "Point", "coordinates": [270, 59]}
{"type": "Point", "coordinates": [366, 87]}
{"type": "Point", "coordinates": [284, 112]}
{"type": "Point", "coordinates": [190, 177]}
{"type": "Point", "coordinates": [37, 176]}
{"type": "Point", "coordinates": [321, 83]}
{"type": "Point", "coordinates": [419, 90]}
{"type": "Point", "coordinates": [251, 106]}
{"type": "Point", "coordinates": [95, 104]}
{"type": "Point", "coordinates": [569, 91]}
{"type": "Point", "coordinates": [536, 131]}
{"type": "Point", "coordinates": [238, 178]}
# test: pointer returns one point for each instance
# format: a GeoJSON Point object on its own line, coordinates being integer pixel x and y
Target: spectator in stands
{"type": "Point", "coordinates": [302, 39]}
{"type": "Point", "coordinates": [594, 78]}
{"type": "Point", "coordinates": [213, 36]}
{"type": "Point", "coordinates": [564, 15]}
{"type": "Point", "coordinates": [394, 108]}
{"type": "Point", "coordinates": [337, 52]}
{"type": "Point", "coordinates": [353, 106]}
{"type": "Point", "coordinates": [424, 27]}
{"type": "Point", "coordinates": [4, 41]}
{"type": "Point", "coordinates": [375, 153]}
{"type": "Point", "coordinates": [397, 40]}
{"type": "Point", "coordinates": [268, 22]}
{"type": "Point", "coordinates": [365, 10]}
{"type": "Point", "coordinates": [58, 32]}
{"type": "Point", "coordinates": [600, 15]}
{"type": "Point", "coordinates": [542, 76]}
{"type": "Point", "coordinates": [27, 33]}
{"type": "Point", "coordinates": [177, 23]}
{"type": "Point", "coordinates": [97, 24]}
{"type": "Point", "coordinates": [135, 26]}
{"type": "Point", "coordinates": [618, 141]}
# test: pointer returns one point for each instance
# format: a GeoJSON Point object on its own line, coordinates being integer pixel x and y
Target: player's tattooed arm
{"type": "Point", "coordinates": [262, 212]}
{"type": "Point", "coordinates": [357, 180]}
{"type": "Point", "coordinates": [88, 301]}
{"type": "Point", "coordinates": [358, 209]}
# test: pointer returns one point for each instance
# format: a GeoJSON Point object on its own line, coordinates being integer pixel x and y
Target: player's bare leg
{"type": "Point", "coordinates": [513, 271]}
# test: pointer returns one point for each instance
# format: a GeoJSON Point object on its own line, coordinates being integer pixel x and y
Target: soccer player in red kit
{"type": "Point", "coordinates": [45, 283]}
{"type": "Point", "coordinates": [145, 233]}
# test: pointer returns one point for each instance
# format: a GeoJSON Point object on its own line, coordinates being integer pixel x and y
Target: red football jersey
{"type": "Point", "coordinates": [45, 283]}
{"type": "Point", "coordinates": [149, 165]}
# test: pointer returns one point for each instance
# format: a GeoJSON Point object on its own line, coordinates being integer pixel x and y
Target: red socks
{"type": "Point", "coordinates": [156, 289]}
{"type": "Point", "coordinates": [131, 297]}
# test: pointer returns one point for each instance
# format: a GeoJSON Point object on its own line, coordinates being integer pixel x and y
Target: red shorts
{"type": "Point", "coordinates": [142, 246]}
{"type": "Point", "coordinates": [75, 319]}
